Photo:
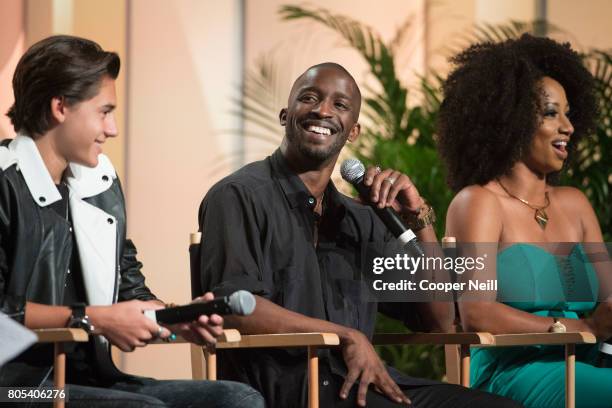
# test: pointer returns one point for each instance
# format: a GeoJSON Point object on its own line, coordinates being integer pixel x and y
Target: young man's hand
{"type": "Point", "coordinates": [365, 367]}
{"type": "Point", "coordinates": [125, 325]}
{"type": "Point", "coordinates": [203, 331]}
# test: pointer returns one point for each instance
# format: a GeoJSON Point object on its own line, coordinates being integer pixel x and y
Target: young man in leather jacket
{"type": "Point", "coordinates": [65, 260]}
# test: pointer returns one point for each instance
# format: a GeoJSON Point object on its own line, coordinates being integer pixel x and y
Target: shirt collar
{"type": "Point", "coordinates": [90, 181]}
{"type": "Point", "coordinates": [85, 181]}
{"type": "Point", "coordinates": [296, 192]}
{"type": "Point", "coordinates": [292, 185]}
{"type": "Point", "coordinates": [35, 173]}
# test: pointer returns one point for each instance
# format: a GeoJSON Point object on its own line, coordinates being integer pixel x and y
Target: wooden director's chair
{"type": "Point", "coordinates": [204, 361]}
{"type": "Point", "coordinates": [458, 356]}
{"type": "Point", "coordinates": [59, 337]}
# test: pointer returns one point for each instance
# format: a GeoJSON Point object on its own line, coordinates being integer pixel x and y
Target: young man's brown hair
{"type": "Point", "coordinates": [59, 66]}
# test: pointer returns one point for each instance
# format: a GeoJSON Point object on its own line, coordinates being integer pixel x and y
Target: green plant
{"type": "Point", "coordinates": [592, 170]}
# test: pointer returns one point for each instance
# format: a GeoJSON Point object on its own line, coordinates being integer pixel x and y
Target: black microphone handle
{"type": "Point", "coordinates": [391, 219]}
{"type": "Point", "coordinates": [388, 215]}
{"type": "Point", "coordinates": [191, 312]}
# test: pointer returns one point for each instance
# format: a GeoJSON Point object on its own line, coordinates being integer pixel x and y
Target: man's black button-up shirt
{"type": "Point", "coordinates": [258, 228]}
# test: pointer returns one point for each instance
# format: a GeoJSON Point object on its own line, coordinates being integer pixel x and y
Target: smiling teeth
{"type": "Point", "coordinates": [560, 144]}
{"type": "Point", "coordinates": [320, 130]}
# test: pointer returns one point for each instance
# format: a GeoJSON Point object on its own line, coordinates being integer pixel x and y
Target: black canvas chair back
{"type": "Point", "coordinates": [194, 264]}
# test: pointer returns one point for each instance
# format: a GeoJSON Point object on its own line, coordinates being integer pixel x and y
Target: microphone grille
{"type": "Point", "coordinates": [242, 303]}
{"type": "Point", "coordinates": [352, 170]}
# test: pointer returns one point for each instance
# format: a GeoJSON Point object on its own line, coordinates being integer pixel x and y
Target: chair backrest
{"type": "Point", "coordinates": [452, 353]}
{"type": "Point", "coordinates": [449, 247]}
{"type": "Point", "coordinates": [194, 264]}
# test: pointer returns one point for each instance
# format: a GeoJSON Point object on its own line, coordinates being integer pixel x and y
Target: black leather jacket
{"type": "Point", "coordinates": [36, 246]}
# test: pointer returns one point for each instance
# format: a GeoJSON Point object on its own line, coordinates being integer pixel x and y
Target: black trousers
{"type": "Point", "coordinates": [440, 395]}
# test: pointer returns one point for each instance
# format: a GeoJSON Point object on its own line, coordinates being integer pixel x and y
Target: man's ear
{"type": "Point", "coordinates": [282, 117]}
{"type": "Point", "coordinates": [354, 133]}
{"type": "Point", "coordinates": [58, 108]}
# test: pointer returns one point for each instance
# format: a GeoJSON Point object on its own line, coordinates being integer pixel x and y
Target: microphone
{"type": "Point", "coordinates": [239, 303]}
{"type": "Point", "coordinates": [353, 171]}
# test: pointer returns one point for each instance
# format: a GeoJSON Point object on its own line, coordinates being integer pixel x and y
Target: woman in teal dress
{"type": "Point", "coordinates": [512, 115]}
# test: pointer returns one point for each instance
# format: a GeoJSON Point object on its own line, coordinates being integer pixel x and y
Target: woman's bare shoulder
{"type": "Point", "coordinates": [570, 198]}
{"type": "Point", "coordinates": [475, 197]}
{"type": "Point", "coordinates": [475, 213]}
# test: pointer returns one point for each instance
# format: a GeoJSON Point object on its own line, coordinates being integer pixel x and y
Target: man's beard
{"type": "Point", "coordinates": [313, 153]}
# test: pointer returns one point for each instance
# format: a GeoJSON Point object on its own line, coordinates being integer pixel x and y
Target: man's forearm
{"type": "Point", "coordinates": [269, 317]}
{"type": "Point", "coordinates": [436, 317]}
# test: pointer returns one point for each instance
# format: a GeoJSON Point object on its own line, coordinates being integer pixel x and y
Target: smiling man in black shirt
{"type": "Point", "coordinates": [280, 229]}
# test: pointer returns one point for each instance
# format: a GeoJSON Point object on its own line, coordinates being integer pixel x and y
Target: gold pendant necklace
{"type": "Point", "coordinates": [540, 214]}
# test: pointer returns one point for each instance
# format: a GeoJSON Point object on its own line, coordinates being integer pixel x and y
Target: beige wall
{"type": "Point", "coordinates": [584, 24]}
{"type": "Point", "coordinates": [185, 66]}
{"type": "Point", "coordinates": [587, 23]}
{"type": "Point", "coordinates": [12, 43]}
{"type": "Point", "coordinates": [445, 20]}
{"type": "Point", "coordinates": [449, 22]}
{"type": "Point", "coordinates": [105, 22]}
{"type": "Point", "coordinates": [500, 11]}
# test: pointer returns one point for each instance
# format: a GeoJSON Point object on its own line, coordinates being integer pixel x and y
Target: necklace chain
{"type": "Point", "coordinates": [540, 214]}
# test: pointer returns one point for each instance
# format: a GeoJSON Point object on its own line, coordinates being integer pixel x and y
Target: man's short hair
{"type": "Point", "coordinates": [58, 66]}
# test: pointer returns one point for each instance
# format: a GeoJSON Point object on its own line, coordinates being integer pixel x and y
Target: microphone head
{"type": "Point", "coordinates": [352, 170]}
{"type": "Point", "coordinates": [242, 303]}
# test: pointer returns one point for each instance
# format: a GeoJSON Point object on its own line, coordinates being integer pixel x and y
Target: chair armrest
{"type": "Point", "coordinates": [61, 335]}
{"type": "Point", "coordinates": [433, 338]}
{"type": "Point", "coordinates": [228, 336]}
{"type": "Point", "coordinates": [527, 339]}
{"type": "Point", "coordinates": [283, 340]}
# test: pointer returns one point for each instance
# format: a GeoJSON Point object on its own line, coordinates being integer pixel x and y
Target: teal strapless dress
{"type": "Point", "coordinates": [536, 281]}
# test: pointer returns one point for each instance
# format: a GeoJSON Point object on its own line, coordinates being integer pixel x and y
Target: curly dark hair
{"type": "Point", "coordinates": [492, 105]}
